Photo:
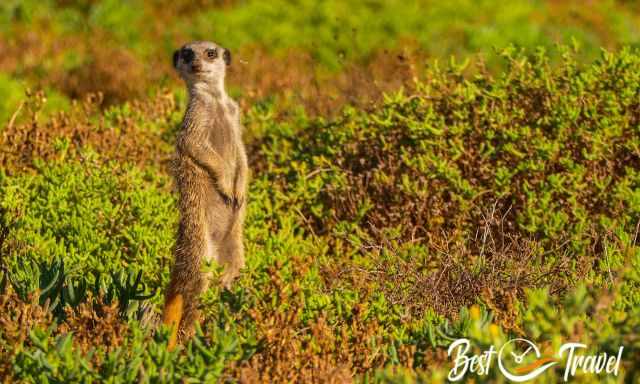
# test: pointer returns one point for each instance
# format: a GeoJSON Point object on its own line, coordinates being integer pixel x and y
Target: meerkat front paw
{"type": "Point", "coordinates": [240, 190]}
{"type": "Point", "coordinates": [228, 200]}
{"type": "Point", "coordinates": [234, 202]}
{"type": "Point", "coordinates": [238, 200]}
{"type": "Point", "coordinates": [225, 189]}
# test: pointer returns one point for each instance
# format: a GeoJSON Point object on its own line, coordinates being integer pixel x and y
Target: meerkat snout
{"type": "Point", "coordinates": [201, 61]}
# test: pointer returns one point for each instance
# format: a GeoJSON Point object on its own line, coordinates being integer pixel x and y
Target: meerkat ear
{"type": "Point", "coordinates": [176, 55]}
{"type": "Point", "coordinates": [227, 56]}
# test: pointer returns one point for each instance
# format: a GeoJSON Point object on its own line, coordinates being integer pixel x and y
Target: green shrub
{"type": "Point", "coordinates": [95, 218]}
{"type": "Point", "coordinates": [480, 207]}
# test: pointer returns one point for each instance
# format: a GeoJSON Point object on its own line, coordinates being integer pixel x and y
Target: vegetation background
{"type": "Point", "coordinates": [421, 171]}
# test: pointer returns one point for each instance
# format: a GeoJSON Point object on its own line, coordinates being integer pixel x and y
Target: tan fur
{"type": "Point", "coordinates": [211, 173]}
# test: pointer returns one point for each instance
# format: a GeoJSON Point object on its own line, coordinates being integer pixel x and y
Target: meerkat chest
{"type": "Point", "coordinates": [223, 130]}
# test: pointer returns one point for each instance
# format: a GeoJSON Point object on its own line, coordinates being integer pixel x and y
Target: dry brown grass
{"type": "Point", "coordinates": [116, 73]}
{"type": "Point", "coordinates": [121, 75]}
{"type": "Point", "coordinates": [314, 351]}
{"type": "Point", "coordinates": [294, 75]}
{"type": "Point", "coordinates": [92, 324]}
{"type": "Point", "coordinates": [495, 267]}
{"type": "Point", "coordinates": [17, 319]}
{"type": "Point", "coordinates": [168, 10]}
{"type": "Point", "coordinates": [104, 67]}
{"type": "Point", "coordinates": [83, 126]}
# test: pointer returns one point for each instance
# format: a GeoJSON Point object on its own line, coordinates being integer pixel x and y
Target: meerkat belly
{"type": "Point", "coordinates": [201, 206]}
{"type": "Point", "coordinates": [225, 145]}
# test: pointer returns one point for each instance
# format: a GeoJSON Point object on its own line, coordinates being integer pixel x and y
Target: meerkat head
{"type": "Point", "coordinates": [202, 62]}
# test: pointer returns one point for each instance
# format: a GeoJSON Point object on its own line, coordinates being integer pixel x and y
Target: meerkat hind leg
{"type": "Point", "coordinates": [232, 250]}
{"type": "Point", "coordinates": [187, 282]}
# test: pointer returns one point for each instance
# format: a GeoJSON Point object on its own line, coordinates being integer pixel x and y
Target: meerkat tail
{"type": "Point", "coordinates": [172, 316]}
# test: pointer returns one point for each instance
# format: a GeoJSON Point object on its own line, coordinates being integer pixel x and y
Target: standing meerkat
{"type": "Point", "coordinates": [210, 170]}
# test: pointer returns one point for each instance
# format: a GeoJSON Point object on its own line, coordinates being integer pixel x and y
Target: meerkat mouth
{"type": "Point", "coordinates": [199, 72]}
{"type": "Point", "coordinates": [197, 69]}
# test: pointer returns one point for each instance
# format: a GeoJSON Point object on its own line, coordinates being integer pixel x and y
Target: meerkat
{"type": "Point", "coordinates": [210, 169]}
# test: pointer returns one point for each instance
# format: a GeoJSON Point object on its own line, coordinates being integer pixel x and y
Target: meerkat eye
{"type": "Point", "coordinates": [211, 53]}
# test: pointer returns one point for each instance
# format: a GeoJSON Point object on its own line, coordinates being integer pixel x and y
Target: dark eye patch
{"type": "Point", "coordinates": [176, 56]}
{"type": "Point", "coordinates": [187, 54]}
{"type": "Point", "coordinates": [211, 53]}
